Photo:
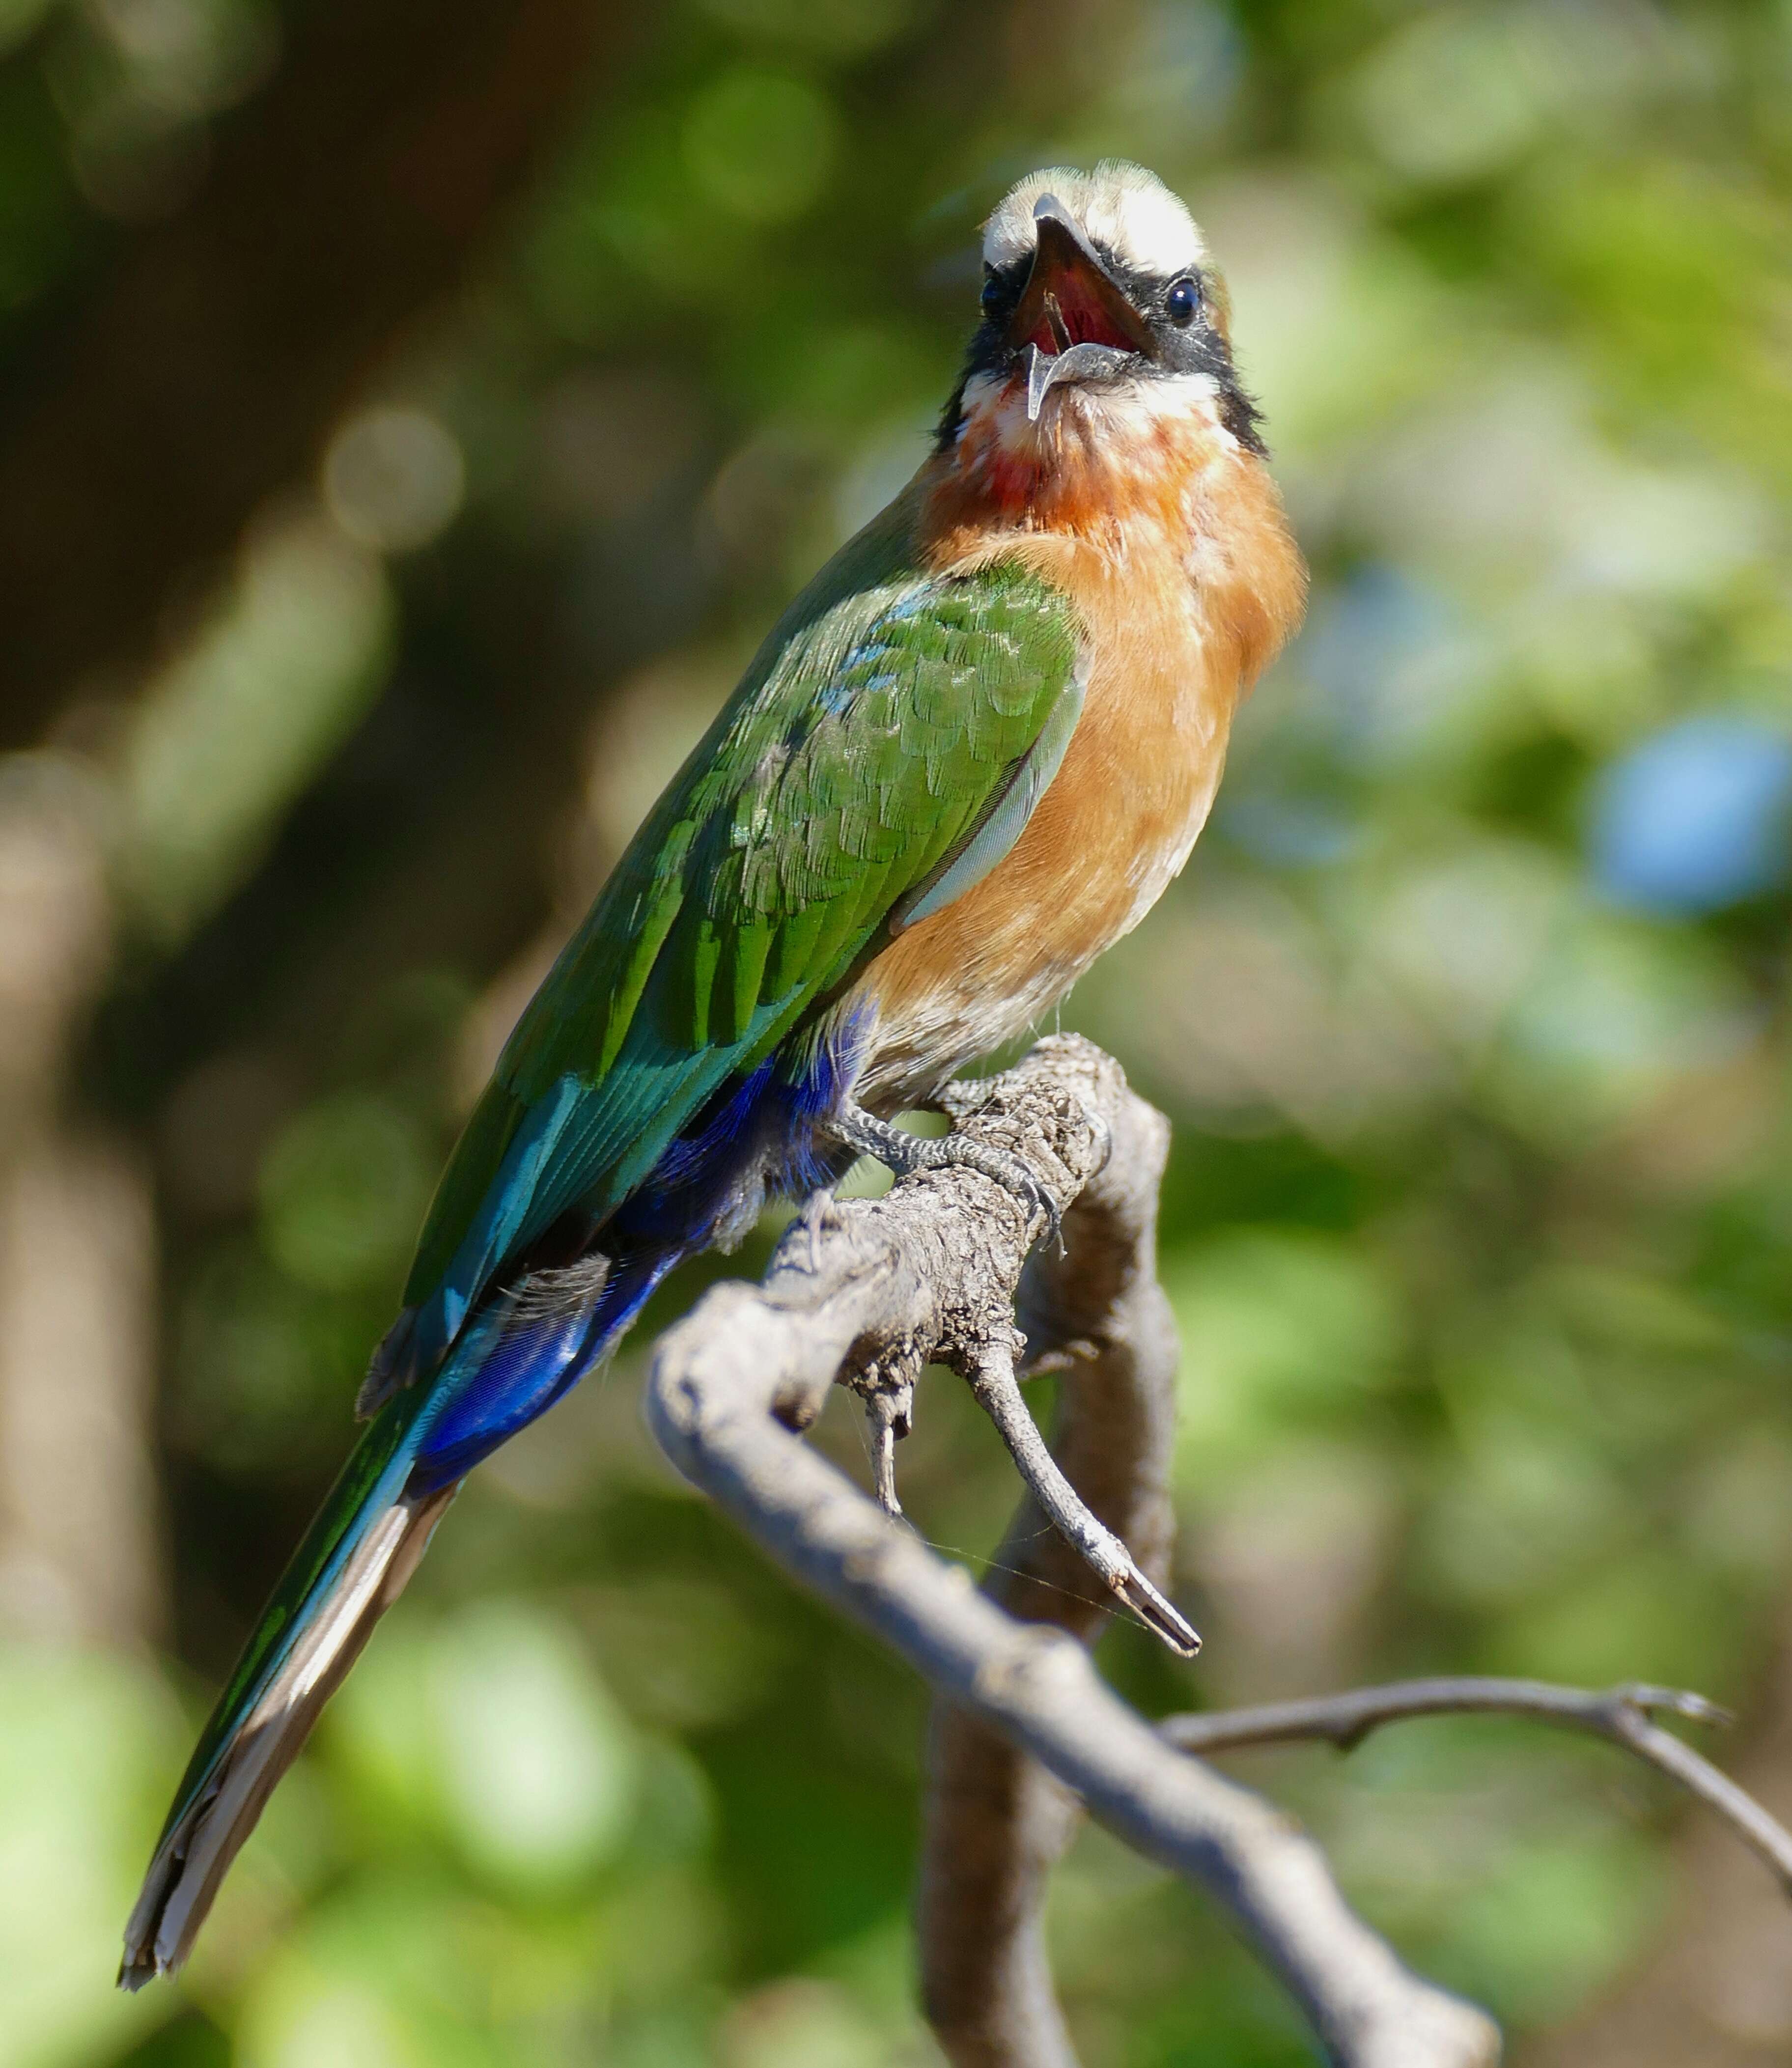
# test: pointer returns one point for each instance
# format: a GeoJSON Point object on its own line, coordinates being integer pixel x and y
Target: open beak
{"type": "Point", "coordinates": [1073, 320]}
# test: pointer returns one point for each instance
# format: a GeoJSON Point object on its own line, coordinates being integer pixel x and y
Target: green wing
{"type": "Point", "coordinates": [874, 739]}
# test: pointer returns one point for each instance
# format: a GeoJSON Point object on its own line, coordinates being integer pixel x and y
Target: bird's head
{"type": "Point", "coordinates": [1104, 322]}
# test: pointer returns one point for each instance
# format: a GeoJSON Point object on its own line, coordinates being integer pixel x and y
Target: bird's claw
{"type": "Point", "coordinates": [904, 1154]}
{"type": "Point", "coordinates": [1012, 1173]}
{"type": "Point", "coordinates": [1031, 1189]}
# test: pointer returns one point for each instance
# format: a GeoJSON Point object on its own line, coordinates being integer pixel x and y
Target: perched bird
{"type": "Point", "coordinates": [968, 757]}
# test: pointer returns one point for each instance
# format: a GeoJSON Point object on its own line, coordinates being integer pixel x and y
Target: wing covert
{"type": "Point", "coordinates": [875, 738]}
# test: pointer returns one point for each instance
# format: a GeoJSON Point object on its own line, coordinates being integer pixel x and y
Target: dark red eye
{"type": "Point", "coordinates": [1182, 300]}
{"type": "Point", "coordinates": [991, 297]}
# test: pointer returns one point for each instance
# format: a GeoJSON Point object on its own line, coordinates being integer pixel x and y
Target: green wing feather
{"type": "Point", "coordinates": [881, 720]}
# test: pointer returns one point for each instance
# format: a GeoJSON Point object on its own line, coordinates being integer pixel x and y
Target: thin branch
{"type": "Point", "coordinates": [998, 1394]}
{"type": "Point", "coordinates": [929, 1272]}
{"type": "Point", "coordinates": [1621, 1715]}
{"type": "Point", "coordinates": [882, 1411]}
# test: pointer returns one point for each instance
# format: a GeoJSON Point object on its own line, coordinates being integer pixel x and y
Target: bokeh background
{"type": "Point", "coordinates": [410, 416]}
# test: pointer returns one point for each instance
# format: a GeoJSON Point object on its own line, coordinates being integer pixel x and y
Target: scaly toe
{"type": "Point", "coordinates": [1012, 1174]}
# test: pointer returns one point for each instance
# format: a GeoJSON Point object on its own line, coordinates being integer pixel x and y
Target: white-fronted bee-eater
{"type": "Point", "coordinates": [969, 755]}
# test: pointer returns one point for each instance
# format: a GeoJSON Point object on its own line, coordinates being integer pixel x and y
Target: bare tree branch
{"type": "Point", "coordinates": [996, 1822]}
{"type": "Point", "coordinates": [1621, 1715]}
{"type": "Point", "coordinates": [1714, 1985]}
{"type": "Point", "coordinates": [929, 1273]}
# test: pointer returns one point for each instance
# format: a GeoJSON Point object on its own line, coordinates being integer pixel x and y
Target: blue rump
{"type": "Point", "coordinates": [757, 1136]}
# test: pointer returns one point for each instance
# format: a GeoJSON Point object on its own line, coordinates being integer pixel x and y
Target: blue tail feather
{"type": "Point", "coordinates": [533, 1364]}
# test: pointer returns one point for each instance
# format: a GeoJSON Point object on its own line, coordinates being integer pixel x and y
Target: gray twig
{"type": "Point", "coordinates": [998, 1394]}
{"type": "Point", "coordinates": [929, 1272]}
{"type": "Point", "coordinates": [882, 1412]}
{"type": "Point", "coordinates": [1622, 1714]}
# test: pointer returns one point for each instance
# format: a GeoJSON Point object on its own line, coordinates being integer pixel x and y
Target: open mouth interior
{"type": "Point", "coordinates": [1072, 314]}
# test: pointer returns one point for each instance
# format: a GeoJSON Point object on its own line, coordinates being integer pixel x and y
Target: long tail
{"type": "Point", "coordinates": [511, 1363]}
{"type": "Point", "coordinates": [354, 1564]}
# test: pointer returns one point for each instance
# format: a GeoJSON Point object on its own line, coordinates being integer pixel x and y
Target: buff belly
{"type": "Point", "coordinates": [979, 975]}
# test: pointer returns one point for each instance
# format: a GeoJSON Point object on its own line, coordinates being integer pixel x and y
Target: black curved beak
{"type": "Point", "coordinates": [1073, 316]}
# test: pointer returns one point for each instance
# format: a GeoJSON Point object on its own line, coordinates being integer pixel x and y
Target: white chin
{"type": "Point", "coordinates": [1133, 401]}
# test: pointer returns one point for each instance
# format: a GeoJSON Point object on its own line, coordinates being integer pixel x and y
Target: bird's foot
{"type": "Point", "coordinates": [904, 1154]}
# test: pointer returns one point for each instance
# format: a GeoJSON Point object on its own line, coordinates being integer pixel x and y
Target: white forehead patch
{"type": "Point", "coordinates": [1121, 208]}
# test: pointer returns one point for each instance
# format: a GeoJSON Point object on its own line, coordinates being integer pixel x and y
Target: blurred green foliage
{"type": "Point", "coordinates": [1478, 1219]}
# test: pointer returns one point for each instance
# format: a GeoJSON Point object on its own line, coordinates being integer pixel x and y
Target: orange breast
{"type": "Point", "coordinates": [1186, 581]}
